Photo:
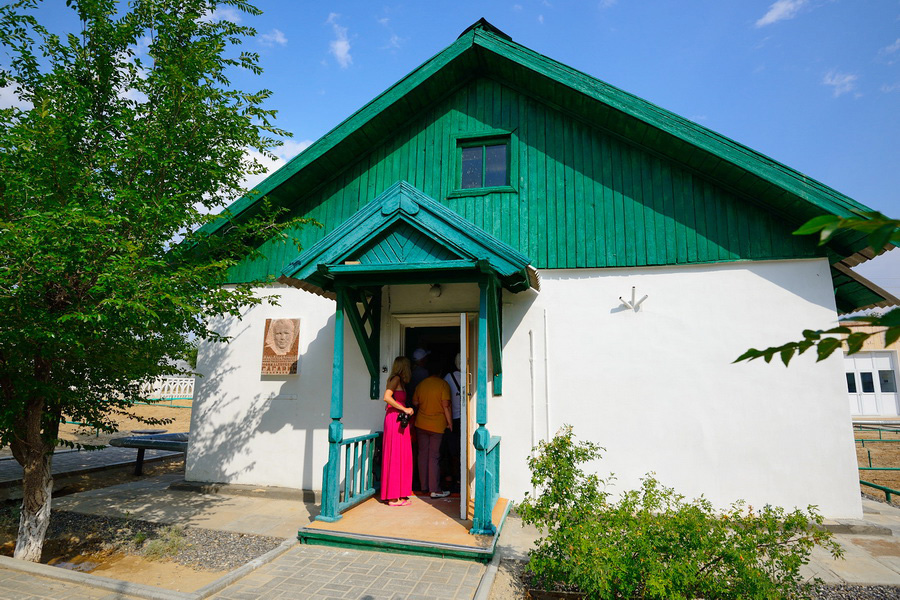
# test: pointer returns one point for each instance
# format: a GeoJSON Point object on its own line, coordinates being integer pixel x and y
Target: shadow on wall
{"type": "Point", "coordinates": [237, 408]}
{"type": "Point", "coordinates": [251, 428]}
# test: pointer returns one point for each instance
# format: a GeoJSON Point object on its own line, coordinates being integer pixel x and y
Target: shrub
{"type": "Point", "coordinates": [652, 543]}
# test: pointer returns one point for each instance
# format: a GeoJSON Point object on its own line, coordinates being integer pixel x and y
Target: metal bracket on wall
{"type": "Point", "coordinates": [634, 304]}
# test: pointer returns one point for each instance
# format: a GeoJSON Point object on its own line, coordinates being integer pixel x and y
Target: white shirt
{"type": "Point", "coordinates": [454, 392]}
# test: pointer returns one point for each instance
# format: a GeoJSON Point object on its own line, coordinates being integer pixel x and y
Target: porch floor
{"type": "Point", "coordinates": [427, 526]}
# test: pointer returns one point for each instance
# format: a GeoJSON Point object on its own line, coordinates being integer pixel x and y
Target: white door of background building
{"type": "Point", "coordinates": [872, 383]}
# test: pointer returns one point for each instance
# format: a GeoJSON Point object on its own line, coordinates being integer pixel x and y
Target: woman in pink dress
{"type": "Point", "coordinates": [396, 455]}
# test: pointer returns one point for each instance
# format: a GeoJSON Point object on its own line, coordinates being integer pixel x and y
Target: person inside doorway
{"type": "Point", "coordinates": [396, 460]}
{"type": "Point", "coordinates": [450, 446]}
{"type": "Point", "coordinates": [419, 368]}
{"type": "Point", "coordinates": [432, 397]}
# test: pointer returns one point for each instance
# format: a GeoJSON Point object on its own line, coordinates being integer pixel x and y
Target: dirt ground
{"type": "Point", "coordinates": [884, 452]}
{"type": "Point", "coordinates": [180, 422]}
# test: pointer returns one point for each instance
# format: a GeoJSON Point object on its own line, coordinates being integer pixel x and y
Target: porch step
{"type": "Point", "coordinates": [426, 527]}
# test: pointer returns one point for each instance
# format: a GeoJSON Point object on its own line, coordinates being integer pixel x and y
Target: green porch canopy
{"type": "Point", "coordinates": [404, 236]}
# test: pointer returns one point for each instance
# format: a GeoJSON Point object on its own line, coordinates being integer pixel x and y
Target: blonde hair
{"type": "Point", "coordinates": [401, 369]}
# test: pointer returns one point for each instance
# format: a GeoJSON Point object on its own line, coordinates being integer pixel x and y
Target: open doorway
{"type": "Point", "coordinates": [440, 346]}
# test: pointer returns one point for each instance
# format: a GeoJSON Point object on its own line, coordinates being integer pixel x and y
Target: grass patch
{"type": "Point", "coordinates": [170, 542]}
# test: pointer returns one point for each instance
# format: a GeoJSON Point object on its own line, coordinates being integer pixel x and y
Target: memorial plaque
{"type": "Point", "coordinates": [282, 346]}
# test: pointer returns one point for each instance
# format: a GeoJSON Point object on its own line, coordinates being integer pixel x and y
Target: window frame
{"type": "Point", "coordinates": [484, 138]}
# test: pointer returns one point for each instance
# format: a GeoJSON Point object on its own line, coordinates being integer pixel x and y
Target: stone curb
{"type": "Point", "coordinates": [856, 528]}
{"type": "Point", "coordinates": [139, 590]}
{"type": "Point", "coordinates": [253, 491]}
{"type": "Point", "coordinates": [487, 579]}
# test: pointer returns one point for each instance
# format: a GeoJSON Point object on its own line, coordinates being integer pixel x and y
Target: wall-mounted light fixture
{"type": "Point", "coordinates": [435, 291]}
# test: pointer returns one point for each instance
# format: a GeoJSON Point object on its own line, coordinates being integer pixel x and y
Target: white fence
{"type": "Point", "coordinates": [169, 388]}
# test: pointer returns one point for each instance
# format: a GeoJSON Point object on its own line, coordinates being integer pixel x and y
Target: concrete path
{"type": "Point", "coordinates": [150, 500]}
{"type": "Point", "coordinates": [68, 462]}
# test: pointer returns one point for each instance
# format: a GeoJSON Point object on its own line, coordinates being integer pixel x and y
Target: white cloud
{"type": "Point", "coordinates": [223, 14]}
{"type": "Point", "coordinates": [517, 7]}
{"type": "Point", "coordinates": [283, 153]}
{"type": "Point", "coordinates": [273, 37]}
{"type": "Point", "coordinates": [887, 89]}
{"type": "Point", "coordinates": [9, 98]}
{"type": "Point", "coordinates": [841, 82]}
{"type": "Point", "coordinates": [781, 10]}
{"type": "Point", "coordinates": [384, 21]}
{"type": "Point", "coordinates": [394, 41]}
{"type": "Point", "coordinates": [889, 53]}
{"type": "Point", "coordinates": [540, 19]}
{"type": "Point", "coordinates": [340, 45]}
{"type": "Point", "coordinates": [892, 48]}
{"type": "Point", "coordinates": [607, 3]}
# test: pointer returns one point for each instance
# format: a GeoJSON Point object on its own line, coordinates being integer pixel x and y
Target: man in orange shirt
{"type": "Point", "coordinates": [432, 397]}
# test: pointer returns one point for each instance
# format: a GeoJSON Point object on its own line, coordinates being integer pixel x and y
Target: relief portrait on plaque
{"type": "Point", "coordinates": [282, 347]}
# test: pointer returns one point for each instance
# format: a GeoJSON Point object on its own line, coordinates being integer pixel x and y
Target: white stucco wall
{"type": "Point", "coordinates": [655, 387]}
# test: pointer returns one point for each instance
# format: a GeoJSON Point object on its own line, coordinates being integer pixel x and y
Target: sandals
{"type": "Point", "coordinates": [406, 502]}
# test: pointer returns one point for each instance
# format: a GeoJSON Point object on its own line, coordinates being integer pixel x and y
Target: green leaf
{"type": "Point", "coordinates": [891, 335]}
{"type": "Point", "coordinates": [826, 347]}
{"type": "Point", "coordinates": [786, 355]}
{"type": "Point", "coordinates": [880, 237]}
{"type": "Point", "coordinates": [816, 224]}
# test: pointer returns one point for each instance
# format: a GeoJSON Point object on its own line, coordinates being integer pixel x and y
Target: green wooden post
{"type": "Point", "coordinates": [331, 477]}
{"type": "Point", "coordinates": [481, 522]}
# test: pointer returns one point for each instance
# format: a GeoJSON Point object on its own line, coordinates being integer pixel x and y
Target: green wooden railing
{"type": "Point", "coordinates": [359, 470]}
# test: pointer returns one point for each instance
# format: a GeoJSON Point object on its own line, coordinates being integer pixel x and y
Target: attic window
{"type": "Point", "coordinates": [485, 164]}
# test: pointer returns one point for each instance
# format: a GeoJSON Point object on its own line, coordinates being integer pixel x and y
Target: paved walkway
{"type": "Point", "coordinates": [322, 573]}
{"type": "Point", "coordinates": [307, 572]}
{"type": "Point", "coordinates": [69, 462]}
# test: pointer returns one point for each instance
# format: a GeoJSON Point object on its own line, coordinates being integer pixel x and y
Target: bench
{"type": "Point", "coordinates": [176, 442]}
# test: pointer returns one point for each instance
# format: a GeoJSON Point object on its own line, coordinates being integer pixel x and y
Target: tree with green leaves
{"type": "Point", "coordinates": [881, 231]}
{"type": "Point", "coordinates": [126, 135]}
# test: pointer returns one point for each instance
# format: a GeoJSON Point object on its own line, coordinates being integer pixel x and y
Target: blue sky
{"type": "Point", "coordinates": [814, 84]}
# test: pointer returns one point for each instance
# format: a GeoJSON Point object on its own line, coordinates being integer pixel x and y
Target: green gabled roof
{"type": "Point", "coordinates": [484, 51]}
{"type": "Point", "coordinates": [402, 235]}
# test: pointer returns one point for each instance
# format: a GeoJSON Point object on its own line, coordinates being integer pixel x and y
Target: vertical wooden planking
{"type": "Point", "coordinates": [597, 238]}
{"type": "Point", "coordinates": [541, 180]}
{"type": "Point", "coordinates": [651, 212]}
{"type": "Point", "coordinates": [695, 233]}
{"type": "Point", "coordinates": [640, 211]}
{"type": "Point", "coordinates": [569, 159]}
{"type": "Point", "coordinates": [667, 188]}
{"type": "Point", "coordinates": [558, 232]}
{"type": "Point", "coordinates": [582, 181]}
{"type": "Point", "coordinates": [618, 204]}
{"type": "Point", "coordinates": [628, 219]}
{"type": "Point", "coordinates": [609, 208]}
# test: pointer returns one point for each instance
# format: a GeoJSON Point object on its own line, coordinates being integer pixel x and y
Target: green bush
{"type": "Point", "coordinates": [652, 543]}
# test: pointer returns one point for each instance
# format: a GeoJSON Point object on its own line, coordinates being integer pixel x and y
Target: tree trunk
{"type": "Point", "coordinates": [31, 449]}
{"type": "Point", "coordinates": [37, 486]}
